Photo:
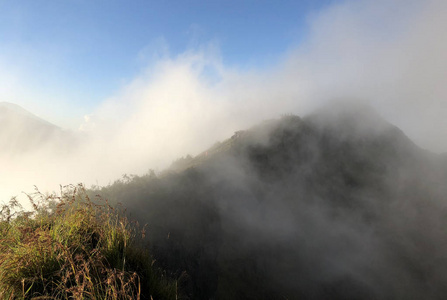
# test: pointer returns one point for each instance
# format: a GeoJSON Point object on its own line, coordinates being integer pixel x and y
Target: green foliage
{"type": "Point", "coordinates": [285, 210]}
{"type": "Point", "coordinates": [290, 209]}
{"type": "Point", "coordinates": [70, 247]}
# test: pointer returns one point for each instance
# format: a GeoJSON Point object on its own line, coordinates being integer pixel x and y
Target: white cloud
{"type": "Point", "coordinates": [390, 53]}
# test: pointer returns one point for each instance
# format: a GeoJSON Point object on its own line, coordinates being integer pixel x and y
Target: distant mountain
{"type": "Point", "coordinates": [11, 110]}
{"type": "Point", "coordinates": [21, 131]}
{"type": "Point", "coordinates": [339, 204]}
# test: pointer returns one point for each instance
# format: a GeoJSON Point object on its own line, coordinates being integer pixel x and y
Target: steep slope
{"type": "Point", "coordinates": [337, 205]}
{"type": "Point", "coordinates": [21, 131]}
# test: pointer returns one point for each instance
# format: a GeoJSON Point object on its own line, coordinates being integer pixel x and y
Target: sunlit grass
{"type": "Point", "coordinates": [70, 247]}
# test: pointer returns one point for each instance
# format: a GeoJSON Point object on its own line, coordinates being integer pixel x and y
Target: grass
{"type": "Point", "coordinates": [70, 247]}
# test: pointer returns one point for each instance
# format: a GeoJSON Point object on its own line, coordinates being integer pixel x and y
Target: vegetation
{"type": "Point", "coordinates": [332, 207]}
{"type": "Point", "coordinates": [71, 247]}
{"type": "Point", "coordinates": [299, 208]}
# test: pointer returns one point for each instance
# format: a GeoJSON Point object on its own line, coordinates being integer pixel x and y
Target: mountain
{"type": "Point", "coordinates": [339, 204]}
{"type": "Point", "coordinates": [21, 131]}
{"type": "Point", "coordinates": [9, 110]}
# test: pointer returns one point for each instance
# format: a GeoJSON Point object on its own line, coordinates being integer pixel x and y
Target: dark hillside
{"type": "Point", "coordinates": [337, 205]}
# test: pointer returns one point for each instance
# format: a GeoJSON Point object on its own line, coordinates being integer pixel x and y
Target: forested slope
{"type": "Point", "coordinates": [336, 205]}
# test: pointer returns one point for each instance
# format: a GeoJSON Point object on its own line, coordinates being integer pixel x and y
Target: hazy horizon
{"type": "Point", "coordinates": [182, 90]}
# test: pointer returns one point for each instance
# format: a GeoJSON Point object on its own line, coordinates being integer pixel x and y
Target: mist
{"type": "Point", "coordinates": [339, 204]}
{"type": "Point", "coordinates": [343, 197]}
{"type": "Point", "coordinates": [390, 54]}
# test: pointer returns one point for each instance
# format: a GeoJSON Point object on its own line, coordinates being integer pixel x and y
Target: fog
{"type": "Point", "coordinates": [337, 205]}
{"type": "Point", "coordinates": [348, 208]}
{"type": "Point", "coordinates": [390, 54]}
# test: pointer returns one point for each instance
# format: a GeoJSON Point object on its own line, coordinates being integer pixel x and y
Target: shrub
{"type": "Point", "coordinates": [70, 247]}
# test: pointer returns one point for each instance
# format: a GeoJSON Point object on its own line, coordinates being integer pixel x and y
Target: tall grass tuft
{"type": "Point", "coordinates": [70, 247]}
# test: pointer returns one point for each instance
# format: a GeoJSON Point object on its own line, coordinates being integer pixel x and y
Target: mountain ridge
{"type": "Point", "coordinates": [19, 110]}
{"type": "Point", "coordinates": [339, 204]}
{"type": "Point", "coordinates": [300, 208]}
{"type": "Point", "coordinates": [350, 120]}
{"type": "Point", "coordinates": [23, 132]}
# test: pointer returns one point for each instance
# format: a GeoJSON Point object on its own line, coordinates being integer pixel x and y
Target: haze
{"type": "Point", "coordinates": [390, 54]}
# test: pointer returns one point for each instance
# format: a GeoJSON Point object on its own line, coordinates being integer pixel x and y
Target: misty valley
{"type": "Point", "coordinates": [336, 204]}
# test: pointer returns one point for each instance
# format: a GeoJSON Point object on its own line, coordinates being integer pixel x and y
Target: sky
{"type": "Point", "coordinates": [61, 59]}
{"type": "Point", "coordinates": [145, 82]}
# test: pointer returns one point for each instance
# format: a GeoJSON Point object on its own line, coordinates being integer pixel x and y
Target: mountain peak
{"type": "Point", "coordinates": [14, 111]}
{"type": "Point", "coordinates": [350, 117]}
{"type": "Point", "coordinates": [14, 108]}
{"type": "Point", "coordinates": [22, 131]}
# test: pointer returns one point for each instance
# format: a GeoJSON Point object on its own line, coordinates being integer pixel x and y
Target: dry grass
{"type": "Point", "coordinates": [70, 247]}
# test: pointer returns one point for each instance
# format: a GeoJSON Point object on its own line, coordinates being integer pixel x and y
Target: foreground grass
{"type": "Point", "coordinates": [72, 248]}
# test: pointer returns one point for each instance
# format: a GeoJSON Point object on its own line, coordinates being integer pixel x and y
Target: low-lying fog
{"type": "Point", "coordinates": [390, 54]}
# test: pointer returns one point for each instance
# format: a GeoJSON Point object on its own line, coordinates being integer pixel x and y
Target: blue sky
{"type": "Point", "coordinates": [66, 59]}
{"type": "Point", "coordinates": [142, 83]}
{"type": "Point", "coordinates": [76, 53]}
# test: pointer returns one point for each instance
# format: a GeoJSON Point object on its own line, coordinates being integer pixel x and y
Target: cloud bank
{"type": "Point", "coordinates": [391, 54]}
